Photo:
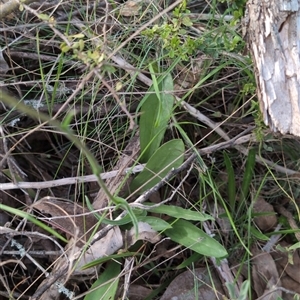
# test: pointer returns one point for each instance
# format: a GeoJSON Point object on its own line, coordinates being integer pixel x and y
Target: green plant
{"type": "Point", "coordinates": [105, 287]}
{"type": "Point", "coordinates": [173, 34]}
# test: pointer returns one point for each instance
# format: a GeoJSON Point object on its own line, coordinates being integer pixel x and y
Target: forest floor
{"type": "Point", "coordinates": [134, 160]}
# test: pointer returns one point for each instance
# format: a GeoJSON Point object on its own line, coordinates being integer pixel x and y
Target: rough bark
{"type": "Point", "coordinates": [273, 36]}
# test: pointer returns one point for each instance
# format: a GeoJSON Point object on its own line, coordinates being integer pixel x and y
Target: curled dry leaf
{"type": "Point", "coordinates": [145, 232]}
{"type": "Point", "coordinates": [113, 242]}
{"type": "Point", "coordinates": [290, 272]}
{"type": "Point", "coordinates": [264, 222]}
{"type": "Point", "coordinates": [265, 275]}
{"type": "Point", "coordinates": [109, 244]}
{"type": "Point", "coordinates": [183, 286]}
{"type": "Point", "coordinates": [70, 217]}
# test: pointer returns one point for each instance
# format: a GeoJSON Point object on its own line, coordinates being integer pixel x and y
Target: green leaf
{"type": "Point", "coordinates": [107, 283]}
{"type": "Point", "coordinates": [244, 290]}
{"type": "Point", "coordinates": [44, 17]}
{"type": "Point", "coordinates": [155, 114]}
{"type": "Point", "coordinates": [187, 21]}
{"type": "Point", "coordinates": [168, 156]}
{"type": "Point", "coordinates": [192, 237]}
{"type": "Point", "coordinates": [179, 212]}
{"type": "Point", "coordinates": [156, 223]}
{"type": "Point", "coordinates": [64, 48]}
{"type": "Point", "coordinates": [294, 247]}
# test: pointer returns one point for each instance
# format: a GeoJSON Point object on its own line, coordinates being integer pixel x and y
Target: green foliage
{"type": "Point", "coordinates": [248, 174]}
{"type": "Point", "coordinates": [105, 287]}
{"type": "Point", "coordinates": [247, 178]}
{"type": "Point", "coordinates": [157, 224]}
{"type": "Point", "coordinates": [168, 156]}
{"type": "Point", "coordinates": [179, 212]}
{"type": "Point", "coordinates": [259, 121]}
{"type": "Point", "coordinates": [192, 237]}
{"type": "Point", "coordinates": [155, 115]}
{"type": "Point", "coordinates": [172, 34]}
{"type": "Point", "coordinates": [237, 9]}
{"type": "Point", "coordinates": [104, 259]}
{"type": "Point", "coordinates": [81, 50]}
{"type": "Point", "coordinates": [243, 291]}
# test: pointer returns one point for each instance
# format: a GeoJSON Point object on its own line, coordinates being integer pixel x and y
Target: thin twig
{"type": "Point", "coordinates": [66, 181]}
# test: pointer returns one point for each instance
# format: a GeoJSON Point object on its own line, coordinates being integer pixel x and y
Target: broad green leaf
{"type": "Point", "coordinates": [231, 289]}
{"type": "Point", "coordinates": [192, 237]}
{"type": "Point", "coordinates": [156, 223]}
{"type": "Point", "coordinates": [168, 156]}
{"type": "Point", "coordinates": [294, 247]}
{"type": "Point", "coordinates": [155, 114]}
{"type": "Point", "coordinates": [179, 212]}
{"type": "Point", "coordinates": [244, 290]}
{"type": "Point", "coordinates": [107, 283]}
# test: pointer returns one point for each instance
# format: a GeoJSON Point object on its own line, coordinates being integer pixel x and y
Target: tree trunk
{"type": "Point", "coordinates": [273, 36]}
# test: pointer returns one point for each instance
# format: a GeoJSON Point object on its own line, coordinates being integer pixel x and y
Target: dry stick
{"type": "Point", "coordinates": [66, 181]}
{"type": "Point", "coordinates": [92, 178]}
{"type": "Point", "coordinates": [10, 6]}
{"type": "Point", "coordinates": [222, 267]}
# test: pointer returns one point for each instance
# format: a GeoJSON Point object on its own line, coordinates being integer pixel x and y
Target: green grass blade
{"type": "Point", "coordinates": [231, 188]}
{"type": "Point", "coordinates": [248, 174]}
{"type": "Point", "coordinates": [19, 105]}
{"type": "Point", "coordinates": [104, 259]}
{"type": "Point", "coordinates": [30, 218]}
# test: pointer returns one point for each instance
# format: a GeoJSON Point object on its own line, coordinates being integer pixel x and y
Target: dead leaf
{"type": "Point", "coordinates": [264, 222]}
{"type": "Point", "coordinates": [138, 292]}
{"type": "Point", "coordinates": [290, 272]}
{"type": "Point", "coordinates": [131, 8]}
{"type": "Point", "coordinates": [183, 286]}
{"type": "Point", "coordinates": [109, 244]}
{"type": "Point", "coordinates": [67, 216]}
{"type": "Point", "coordinates": [264, 275]}
{"type": "Point", "coordinates": [145, 232]}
